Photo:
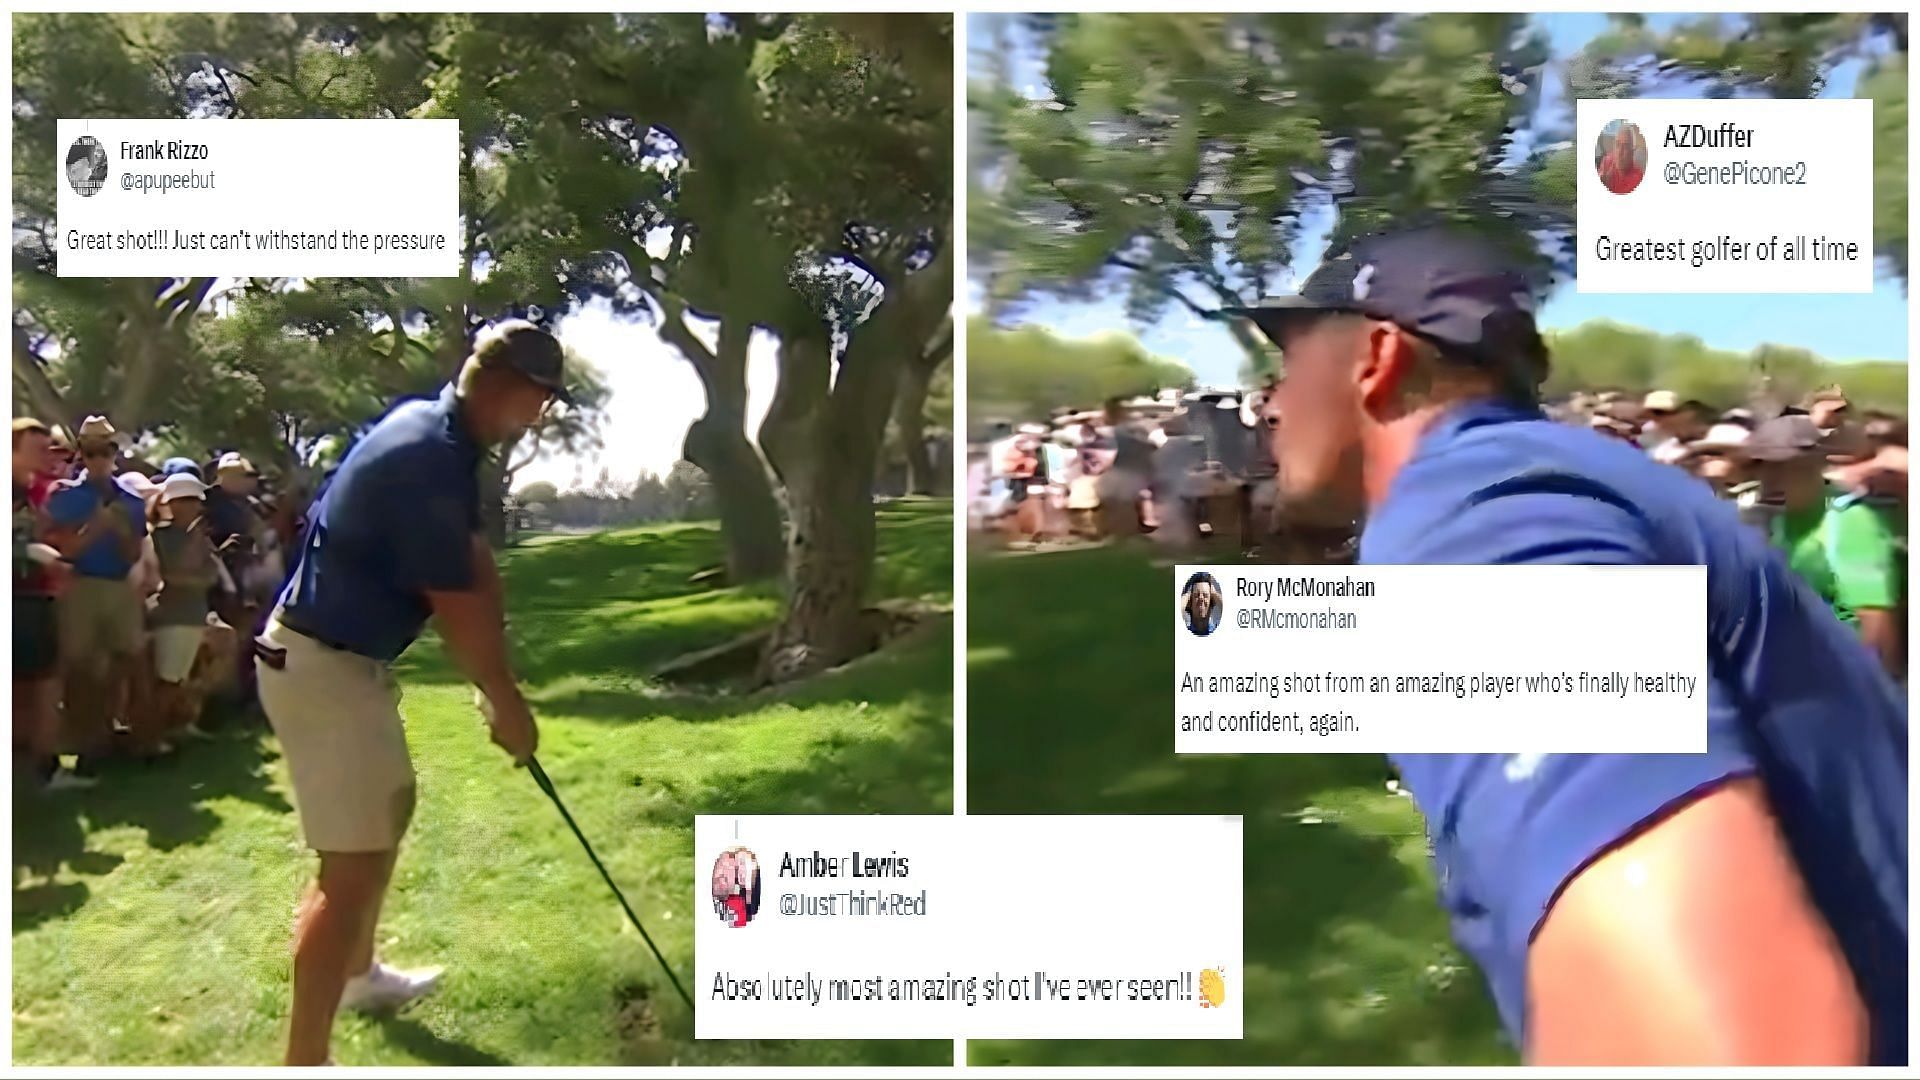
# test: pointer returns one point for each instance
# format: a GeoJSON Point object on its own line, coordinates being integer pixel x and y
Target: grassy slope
{"type": "Point", "coordinates": [1070, 710]}
{"type": "Point", "coordinates": [151, 916]}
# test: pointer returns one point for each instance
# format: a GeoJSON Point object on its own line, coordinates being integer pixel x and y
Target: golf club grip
{"type": "Point", "coordinates": [546, 784]}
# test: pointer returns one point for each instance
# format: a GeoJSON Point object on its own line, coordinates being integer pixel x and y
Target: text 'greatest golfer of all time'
{"type": "Point", "coordinates": [1269, 618]}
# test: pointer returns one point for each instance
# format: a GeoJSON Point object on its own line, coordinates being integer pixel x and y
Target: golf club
{"type": "Point", "coordinates": [546, 785]}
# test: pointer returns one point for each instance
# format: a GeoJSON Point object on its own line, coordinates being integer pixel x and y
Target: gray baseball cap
{"type": "Point", "coordinates": [1783, 438]}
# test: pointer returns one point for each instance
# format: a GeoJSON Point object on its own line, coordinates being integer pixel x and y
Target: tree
{"type": "Point", "coordinates": [1026, 372]}
{"type": "Point", "coordinates": [870, 215]}
{"type": "Point", "coordinates": [1180, 156]}
{"type": "Point", "coordinates": [540, 492]}
{"type": "Point", "coordinates": [688, 491]}
{"type": "Point", "coordinates": [1602, 355]}
{"type": "Point", "coordinates": [910, 415]}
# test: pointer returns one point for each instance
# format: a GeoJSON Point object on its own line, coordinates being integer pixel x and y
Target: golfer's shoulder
{"type": "Point", "coordinates": [410, 439]}
{"type": "Point", "coordinates": [1523, 492]}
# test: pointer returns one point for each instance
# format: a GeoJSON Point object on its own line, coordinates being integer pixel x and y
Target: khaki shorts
{"type": "Point", "coordinates": [99, 618]}
{"type": "Point", "coordinates": [175, 648]}
{"type": "Point", "coordinates": [337, 715]}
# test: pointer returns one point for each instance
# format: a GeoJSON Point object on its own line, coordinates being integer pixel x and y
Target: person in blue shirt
{"type": "Point", "coordinates": [100, 528]}
{"type": "Point", "coordinates": [395, 540]}
{"type": "Point", "coordinates": [1740, 906]}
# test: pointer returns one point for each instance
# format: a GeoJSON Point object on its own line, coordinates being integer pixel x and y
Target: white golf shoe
{"type": "Point", "coordinates": [383, 988]}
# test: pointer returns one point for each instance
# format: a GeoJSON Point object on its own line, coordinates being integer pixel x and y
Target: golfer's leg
{"type": "Point", "coordinates": [361, 959]}
{"type": "Point", "coordinates": [347, 890]}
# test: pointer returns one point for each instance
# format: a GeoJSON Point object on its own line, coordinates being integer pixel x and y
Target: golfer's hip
{"type": "Point", "coordinates": [337, 716]}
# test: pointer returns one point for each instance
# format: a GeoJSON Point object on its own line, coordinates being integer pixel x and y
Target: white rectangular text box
{"type": "Point", "coordinates": [1747, 196]}
{"type": "Point", "coordinates": [258, 198]}
{"type": "Point", "coordinates": [1442, 659]}
{"type": "Point", "coordinates": [968, 927]}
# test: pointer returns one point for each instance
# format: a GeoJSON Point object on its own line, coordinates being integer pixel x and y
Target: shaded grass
{"type": "Point", "coordinates": [151, 916]}
{"type": "Point", "coordinates": [1070, 710]}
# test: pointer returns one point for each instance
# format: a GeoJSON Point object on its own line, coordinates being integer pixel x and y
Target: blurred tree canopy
{"type": "Point", "coordinates": [1179, 155]}
{"type": "Point", "coordinates": [1027, 372]}
{"type": "Point", "coordinates": [1179, 159]}
{"type": "Point", "coordinates": [1603, 355]}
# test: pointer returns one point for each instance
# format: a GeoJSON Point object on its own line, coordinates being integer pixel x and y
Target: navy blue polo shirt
{"type": "Point", "coordinates": [396, 522]}
{"type": "Point", "coordinates": [1793, 696]}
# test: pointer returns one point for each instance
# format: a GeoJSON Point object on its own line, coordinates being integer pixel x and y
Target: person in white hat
{"type": "Point", "coordinates": [188, 570]}
{"type": "Point", "coordinates": [1716, 458]}
{"type": "Point", "coordinates": [1671, 425]}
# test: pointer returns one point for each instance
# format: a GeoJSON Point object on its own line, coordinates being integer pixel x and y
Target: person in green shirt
{"type": "Point", "coordinates": [1833, 540]}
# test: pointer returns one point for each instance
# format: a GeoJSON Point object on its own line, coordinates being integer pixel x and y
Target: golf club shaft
{"type": "Point", "coordinates": [546, 785]}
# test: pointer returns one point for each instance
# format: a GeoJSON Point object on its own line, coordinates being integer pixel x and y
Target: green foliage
{"type": "Point", "coordinates": [538, 493]}
{"type": "Point", "coordinates": [1027, 372]}
{"type": "Point", "coordinates": [1183, 150]}
{"type": "Point", "coordinates": [1602, 355]}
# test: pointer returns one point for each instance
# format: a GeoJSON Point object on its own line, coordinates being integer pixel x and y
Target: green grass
{"type": "Point", "coordinates": [1070, 711]}
{"type": "Point", "coordinates": [152, 915]}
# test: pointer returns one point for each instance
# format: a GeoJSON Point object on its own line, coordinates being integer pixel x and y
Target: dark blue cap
{"type": "Point", "coordinates": [1442, 283]}
{"type": "Point", "coordinates": [178, 465]}
{"type": "Point", "coordinates": [523, 347]}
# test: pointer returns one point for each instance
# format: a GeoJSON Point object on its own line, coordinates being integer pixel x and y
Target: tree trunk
{"type": "Point", "coordinates": [910, 419]}
{"type": "Point", "coordinates": [717, 442]}
{"type": "Point", "coordinates": [825, 446]}
{"type": "Point", "coordinates": [830, 563]}
{"type": "Point", "coordinates": [834, 442]}
{"type": "Point", "coordinates": [493, 497]}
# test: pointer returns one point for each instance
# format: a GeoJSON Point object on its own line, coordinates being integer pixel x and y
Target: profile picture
{"type": "Point", "coordinates": [736, 886]}
{"type": "Point", "coordinates": [1201, 605]}
{"type": "Point", "coordinates": [87, 165]}
{"type": "Point", "coordinates": [1620, 156]}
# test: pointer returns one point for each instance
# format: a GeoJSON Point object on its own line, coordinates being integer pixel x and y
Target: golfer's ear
{"type": "Point", "coordinates": [1381, 366]}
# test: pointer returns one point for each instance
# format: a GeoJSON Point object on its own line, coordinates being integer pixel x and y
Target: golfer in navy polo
{"type": "Point", "coordinates": [396, 539]}
{"type": "Point", "coordinates": [1745, 905]}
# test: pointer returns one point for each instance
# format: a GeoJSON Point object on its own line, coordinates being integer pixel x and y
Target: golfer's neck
{"type": "Point", "coordinates": [1387, 448]}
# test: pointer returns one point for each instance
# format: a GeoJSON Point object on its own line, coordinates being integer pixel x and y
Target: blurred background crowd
{"type": "Point", "coordinates": [1822, 480]}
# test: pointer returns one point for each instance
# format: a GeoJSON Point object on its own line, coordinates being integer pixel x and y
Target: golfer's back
{"type": "Point", "coordinates": [393, 523]}
{"type": "Point", "coordinates": [1793, 696]}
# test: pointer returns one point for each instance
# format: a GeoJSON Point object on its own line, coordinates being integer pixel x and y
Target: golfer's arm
{"type": "Point", "coordinates": [1693, 943]}
{"type": "Point", "coordinates": [472, 621]}
{"type": "Point", "coordinates": [1882, 634]}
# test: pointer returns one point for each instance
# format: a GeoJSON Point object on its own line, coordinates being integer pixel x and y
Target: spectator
{"type": "Point", "coordinates": [37, 574]}
{"type": "Point", "coordinates": [56, 465]}
{"type": "Point", "coordinates": [1832, 540]}
{"type": "Point", "coordinates": [145, 577]}
{"type": "Point", "coordinates": [1829, 409]}
{"type": "Point", "coordinates": [188, 570]}
{"type": "Point", "coordinates": [1670, 425]}
{"type": "Point", "coordinates": [1716, 457]}
{"type": "Point", "coordinates": [176, 465]}
{"type": "Point", "coordinates": [99, 526]}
